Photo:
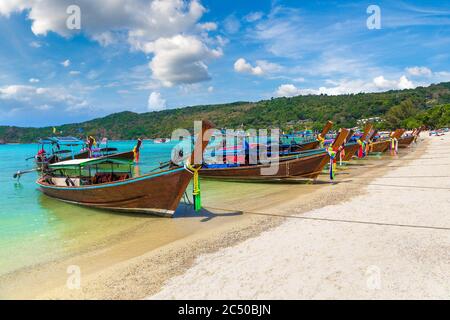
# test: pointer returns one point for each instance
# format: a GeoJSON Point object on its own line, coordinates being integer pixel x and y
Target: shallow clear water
{"type": "Point", "coordinates": [35, 228]}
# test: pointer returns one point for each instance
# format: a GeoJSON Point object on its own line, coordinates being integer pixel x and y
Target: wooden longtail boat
{"type": "Point", "coordinates": [312, 144]}
{"type": "Point", "coordinates": [381, 145]}
{"type": "Point", "coordinates": [405, 141]}
{"type": "Point", "coordinates": [157, 193]}
{"type": "Point", "coordinates": [351, 148]}
{"type": "Point", "coordinates": [306, 164]}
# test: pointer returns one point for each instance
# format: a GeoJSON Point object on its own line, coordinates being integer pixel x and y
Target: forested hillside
{"type": "Point", "coordinates": [405, 108]}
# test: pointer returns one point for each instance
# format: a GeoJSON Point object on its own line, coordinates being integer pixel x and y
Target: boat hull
{"type": "Point", "coordinates": [305, 146]}
{"type": "Point", "coordinates": [380, 146]}
{"type": "Point", "coordinates": [405, 141]}
{"type": "Point", "coordinates": [157, 194]}
{"type": "Point", "coordinates": [304, 167]}
{"type": "Point", "coordinates": [350, 150]}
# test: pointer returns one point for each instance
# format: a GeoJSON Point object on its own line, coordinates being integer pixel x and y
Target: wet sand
{"type": "Point", "coordinates": [390, 242]}
{"type": "Point", "coordinates": [139, 261]}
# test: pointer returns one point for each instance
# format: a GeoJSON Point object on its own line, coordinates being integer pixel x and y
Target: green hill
{"type": "Point", "coordinates": [397, 107]}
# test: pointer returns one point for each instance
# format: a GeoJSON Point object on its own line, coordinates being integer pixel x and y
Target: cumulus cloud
{"type": "Point", "coordinates": [159, 27]}
{"type": "Point", "coordinates": [34, 80]}
{"type": "Point", "coordinates": [156, 102]}
{"type": "Point", "coordinates": [27, 97]}
{"type": "Point", "coordinates": [345, 86]}
{"type": "Point", "coordinates": [181, 60]}
{"type": "Point", "coordinates": [242, 66]}
{"type": "Point", "coordinates": [74, 73]}
{"type": "Point", "coordinates": [419, 71]}
{"type": "Point", "coordinates": [262, 67]}
{"type": "Point", "coordinates": [65, 63]}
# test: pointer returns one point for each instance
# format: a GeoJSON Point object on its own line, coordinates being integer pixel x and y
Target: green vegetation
{"type": "Point", "coordinates": [399, 108]}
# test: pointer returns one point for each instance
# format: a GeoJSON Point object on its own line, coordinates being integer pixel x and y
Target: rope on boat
{"type": "Point", "coordinates": [335, 220]}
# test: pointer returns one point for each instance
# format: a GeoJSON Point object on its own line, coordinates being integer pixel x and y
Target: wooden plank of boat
{"type": "Point", "coordinates": [158, 193]}
{"type": "Point", "coordinates": [307, 164]}
{"type": "Point", "coordinates": [380, 146]}
{"type": "Point", "coordinates": [313, 144]}
{"type": "Point", "coordinates": [405, 141]}
{"type": "Point", "coordinates": [352, 148]}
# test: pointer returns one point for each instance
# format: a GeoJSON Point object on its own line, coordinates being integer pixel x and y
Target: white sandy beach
{"type": "Point", "coordinates": [392, 241]}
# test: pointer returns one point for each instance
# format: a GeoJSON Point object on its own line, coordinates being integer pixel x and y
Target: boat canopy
{"type": "Point", "coordinates": [80, 163]}
{"type": "Point", "coordinates": [62, 141]}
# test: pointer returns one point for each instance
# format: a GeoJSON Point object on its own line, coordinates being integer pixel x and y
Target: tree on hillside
{"type": "Point", "coordinates": [402, 115]}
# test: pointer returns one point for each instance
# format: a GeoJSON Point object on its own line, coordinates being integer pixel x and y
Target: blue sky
{"type": "Point", "coordinates": [142, 55]}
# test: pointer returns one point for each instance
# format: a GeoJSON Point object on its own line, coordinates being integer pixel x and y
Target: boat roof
{"type": "Point", "coordinates": [85, 162]}
{"type": "Point", "coordinates": [66, 141]}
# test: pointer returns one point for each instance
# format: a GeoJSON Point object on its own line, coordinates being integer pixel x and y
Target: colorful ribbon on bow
{"type": "Point", "coordinates": [196, 194]}
{"type": "Point", "coordinates": [362, 148]}
{"type": "Point", "coordinates": [332, 155]}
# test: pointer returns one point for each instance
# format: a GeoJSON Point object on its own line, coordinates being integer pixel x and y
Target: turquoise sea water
{"type": "Point", "coordinates": [33, 227]}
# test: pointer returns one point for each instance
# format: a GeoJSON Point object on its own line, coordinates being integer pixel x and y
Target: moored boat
{"type": "Point", "coordinates": [110, 183]}
{"type": "Point", "coordinates": [306, 164]}
{"type": "Point", "coordinates": [315, 143]}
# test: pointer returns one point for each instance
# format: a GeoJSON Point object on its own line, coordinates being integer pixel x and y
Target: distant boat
{"type": "Point", "coordinates": [108, 183]}
{"type": "Point", "coordinates": [161, 140]}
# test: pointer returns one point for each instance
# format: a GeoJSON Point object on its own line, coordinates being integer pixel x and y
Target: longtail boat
{"type": "Point", "coordinates": [406, 140]}
{"type": "Point", "coordinates": [58, 151]}
{"type": "Point", "coordinates": [107, 183]}
{"type": "Point", "coordinates": [351, 148]}
{"type": "Point", "coordinates": [313, 144]}
{"type": "Point", "coordinates": [305, 164]}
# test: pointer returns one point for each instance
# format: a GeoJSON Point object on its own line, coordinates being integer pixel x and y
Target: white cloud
{"type": "Point", "coordinates": [74, 73]}
{"type": "Point", "coordinates": [159, 27]}
{"type": "Point", "coordinates": [242, 66]}
{"type": "Point", "coordinates": [404, 83]}
{"type": "Point", "coordinates": [65, 63]}
{"type": "Point", "coordinates": [31, 97]}
{"type": "Point", "coordinates": [156, 102]}
{"type": "Point", "coordinates": [345, 86]}
{"type": "Point", "coordinates": [34, 80]}
{"type": "Point", "coordinates": [419, 71]}
{"type": "Point", "coordinates": [208, 26]}
{"type": "Point", "coordinates": [262, 67]}
{"type": "Point", "coordinates": [254, 16]}
{"type": "Point", "coordinates": [181, 60]}
{"type": "Point", "coordinates": [104, 38]}
{"type": "Point", "coordinates": [210, 89]}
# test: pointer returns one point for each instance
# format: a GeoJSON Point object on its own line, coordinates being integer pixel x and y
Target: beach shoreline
{"type": "Point", "coordinates": [390, 242]}
{"type": "Point", "coordinates": [130, 268]}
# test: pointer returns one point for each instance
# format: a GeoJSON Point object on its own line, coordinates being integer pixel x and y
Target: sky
{"type": "Point", "coordinates": [64, 64]}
